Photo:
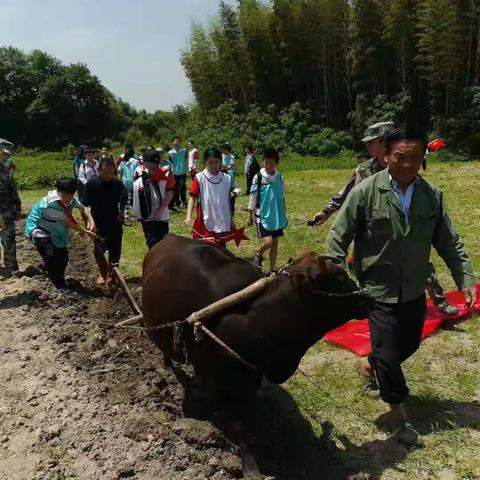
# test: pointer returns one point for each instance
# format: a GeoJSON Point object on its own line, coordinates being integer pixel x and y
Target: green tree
{"type": "Point", "coordinates": [439, 47]}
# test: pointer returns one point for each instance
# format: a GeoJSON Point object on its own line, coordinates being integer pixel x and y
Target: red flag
{"type": "Point", "coordinates": [436, 145]}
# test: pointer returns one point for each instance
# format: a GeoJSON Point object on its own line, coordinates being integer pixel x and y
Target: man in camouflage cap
{"type": "Point", "coordinates": [374, 139]}
{"type": "Point", "coordinates": [10, 209]}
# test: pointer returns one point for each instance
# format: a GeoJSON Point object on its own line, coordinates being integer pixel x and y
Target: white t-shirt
{"type": "Point", "coordinates": [88, 171]}
{"type": "Point", "coordinates": [192, 159]}
{"type": "Point", "coordinates": [215, 200]}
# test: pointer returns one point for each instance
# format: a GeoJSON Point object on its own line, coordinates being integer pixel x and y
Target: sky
{"type": "Point", "coordinates": [132, 46]}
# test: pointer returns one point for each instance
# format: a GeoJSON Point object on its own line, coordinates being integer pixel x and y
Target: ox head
{"type": "Point", "coordinates": [326, 289]}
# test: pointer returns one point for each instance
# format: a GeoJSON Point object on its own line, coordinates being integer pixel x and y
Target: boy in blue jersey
{"type": "Point", "coordinates": [228, 160]}
{"type": "Point", "coordinates": [48, 224]}
{"type": "Point", "coordinates": [178, 157]}
{"type": "Point", "coordinates": [267, 202]}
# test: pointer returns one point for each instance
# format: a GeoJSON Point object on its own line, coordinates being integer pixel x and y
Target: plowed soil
{"type": "Point", "coordinates": [81, 399]}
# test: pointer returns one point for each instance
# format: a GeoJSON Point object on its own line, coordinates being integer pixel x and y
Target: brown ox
{"type": "Point", "coordinates": [271, 331]}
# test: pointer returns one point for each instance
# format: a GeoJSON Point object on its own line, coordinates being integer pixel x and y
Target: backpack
{"type": "Point", "coordinates": [144, 208]}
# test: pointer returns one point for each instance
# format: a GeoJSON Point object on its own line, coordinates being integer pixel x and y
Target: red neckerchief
{"type": "Point", "coordinates": [157, 175]}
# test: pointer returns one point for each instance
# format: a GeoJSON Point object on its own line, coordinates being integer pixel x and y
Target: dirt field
{"type": "Point", "coordinates": [83, 400]}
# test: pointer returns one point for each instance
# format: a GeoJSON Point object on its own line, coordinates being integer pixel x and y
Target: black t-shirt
{"type": "Point", "coordinates": [104, 199]}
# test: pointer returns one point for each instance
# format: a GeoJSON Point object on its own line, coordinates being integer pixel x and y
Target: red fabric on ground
{"type": "Point", "coordinates": [355, 335]}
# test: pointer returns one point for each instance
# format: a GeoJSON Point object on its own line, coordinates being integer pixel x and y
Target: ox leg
{"type": "Point", "coordinates": [236, 433]}
{"type": "Point", "coordinates": [232, 417]}
{"type": "Point", "coordinates": [249, 464]}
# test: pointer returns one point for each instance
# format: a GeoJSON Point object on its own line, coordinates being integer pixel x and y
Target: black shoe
{"type": "Point", "coordinates": [184, 205]}
{"type": "Point", "coordinates": [409, 437]}
{"type": "Point", "coordinates": [174, 209]}
{"type": "Point", "coordinates": [448, 309]}
{"type": "Point", "coordinates": [61, 285]}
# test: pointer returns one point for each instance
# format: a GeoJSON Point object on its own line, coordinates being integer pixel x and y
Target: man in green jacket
{"type": "Point", "coordinates": [375, 142]}
{"type": "Point", "coordinates": [395, 217]}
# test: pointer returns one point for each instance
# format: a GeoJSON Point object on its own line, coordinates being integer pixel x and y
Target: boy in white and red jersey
{"type": "Point", "coordinates": [192, 158]}
{"type": "Point", "coordinates": [210, 194]}
{"type": "Point", "coordinates": [152, 192]}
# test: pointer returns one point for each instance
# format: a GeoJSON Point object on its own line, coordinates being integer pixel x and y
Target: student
{"type": "Point", "coordinates": [210, 194]}
{"type": "Point", "coordinates": [140, 157]}
{"type": "Point", "coordinates": [228, 160]}
{"type": "Point", "coordinates": [79, 160]}
{"type": "Point", "coordinates": [10, 210]}
{"type": "Point", "coordinates": [106, 196]}
{"type": "Point", "coordinates": [251, 167]}
{"type": "Point", "coordinates": [88, 170]}
{"type": "Point", "coordinates": [164, 164]}
{"type": "Point", "coordinates": [192, 159]}
{"type": "Point", "coordinates": [152, 193]}
{"type": "Point", "coordinates": [267, 200]}
{"type": "Point", "coordinates": [178, 158]}
{"type": "Point", "coordinates": [129, 153]}
{"type": "Point", "coordinates": [48, 223]}
{"type": "Point", "coordinates": [126, 170]}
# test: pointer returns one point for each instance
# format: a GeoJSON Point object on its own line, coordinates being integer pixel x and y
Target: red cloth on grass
{"type": "Point", "coordinates": [355, 335]}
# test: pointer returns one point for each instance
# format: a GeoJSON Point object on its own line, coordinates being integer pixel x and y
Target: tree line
{"type": "Point", "coordinates": [306, 76]}
{"type": "Point", "coordinates": [347, 61]}
{"type": "Point", "coordinates": [48, 105]}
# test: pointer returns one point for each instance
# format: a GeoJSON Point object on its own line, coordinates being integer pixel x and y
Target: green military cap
{"type": "Point", "coordinates": [377, 130]}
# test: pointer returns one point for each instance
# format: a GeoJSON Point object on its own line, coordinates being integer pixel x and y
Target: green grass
{"type": "Point", "coordinates": [444, 375]}
{"type": "Point", "coordinates": [41, 171]}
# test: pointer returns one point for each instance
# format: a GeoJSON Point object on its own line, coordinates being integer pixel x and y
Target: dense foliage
{"type": "Point", "coordinates": [304, 76]}
{"type": "Point", "coordinates": [290, 129]}
{"type": "Point", "coordinates": [46, 104]}
{"type": "Point", "coordinates": [348, 62]}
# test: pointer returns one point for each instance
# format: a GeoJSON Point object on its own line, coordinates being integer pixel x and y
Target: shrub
{"type": "Point", "coordinates": [328, 142]}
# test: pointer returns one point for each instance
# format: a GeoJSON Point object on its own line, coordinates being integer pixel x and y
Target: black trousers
{"type": "Point", "coordinates": [111, 241]}
{"type": "Point", "coordinates": [249, 184]}
{"type": "Point", "coordinates": [154, 232]}
{"type": "Point", "coordinates": [395, 335]}
{"type": "Point", "coordinates": [180, 191]}
{"type": "Point", "coordinates": [56, 259]}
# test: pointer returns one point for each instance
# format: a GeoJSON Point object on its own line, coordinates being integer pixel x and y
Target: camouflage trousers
{"type": "Point", "coordinates": [7, 237]}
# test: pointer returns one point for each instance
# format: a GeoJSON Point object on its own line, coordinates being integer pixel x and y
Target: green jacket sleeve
{"type": "Point", "coordinates": [348, 222]}
{"type": "Point", "coordinates": [451, 248]}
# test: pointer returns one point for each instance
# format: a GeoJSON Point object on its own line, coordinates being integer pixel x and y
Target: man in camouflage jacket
{"type": "Point", "coordinates": [374, 140]}
{"type": "Point", "coordinates": [10, 209]}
